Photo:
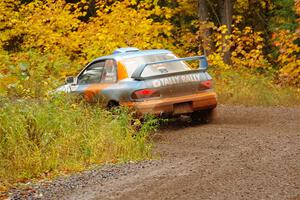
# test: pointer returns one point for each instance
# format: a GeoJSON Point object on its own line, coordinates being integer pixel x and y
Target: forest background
{"type": "Point", "coordinates": [43, 41]}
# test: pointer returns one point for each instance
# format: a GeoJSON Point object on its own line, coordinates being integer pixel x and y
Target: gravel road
{"type": "Point", "coordinates": [247, 153]}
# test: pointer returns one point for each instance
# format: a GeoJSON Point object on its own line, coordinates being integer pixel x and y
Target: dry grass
{"type": "Point", "coordinates": [236, 88]}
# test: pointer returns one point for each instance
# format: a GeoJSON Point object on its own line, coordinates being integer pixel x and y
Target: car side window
{"type": "Point", "coordinates": [109, 74]}
{"type": "Point", "coordinates": [92, 74]}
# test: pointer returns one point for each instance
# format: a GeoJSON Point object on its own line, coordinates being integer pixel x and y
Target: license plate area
{"type": "Point", "coordinates": [182, 108]}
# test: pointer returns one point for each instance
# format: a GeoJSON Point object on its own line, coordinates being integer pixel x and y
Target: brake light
{"type": "Point", "coordinates": [145, 93]}
{"type": "Point", "coordinates": [206, 85]}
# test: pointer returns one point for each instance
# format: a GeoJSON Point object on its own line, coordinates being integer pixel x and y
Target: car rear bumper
{"type": "Point", "coordinates": [176, 105]}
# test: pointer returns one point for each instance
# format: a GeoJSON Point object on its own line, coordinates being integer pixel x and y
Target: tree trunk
{"type": "Point", "coordinates": [226, 7]}
{"type": "Point", "coordinates": [202, 10]}
{"type": "Point", "coordinates": [203, 18]}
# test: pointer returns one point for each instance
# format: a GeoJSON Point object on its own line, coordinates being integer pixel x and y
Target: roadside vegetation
{"type": "Point", "coordinates": [253, 53]}
{"type": "Point", "coordinates": [41, 139]}
{"type": "Point", "coordinates": [246, 88]}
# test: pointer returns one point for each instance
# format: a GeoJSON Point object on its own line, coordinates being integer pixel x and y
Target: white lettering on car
{"type": "Point", "coordinates": [156, 83]}
{"type": "Point", "coordinates": [176, 80]}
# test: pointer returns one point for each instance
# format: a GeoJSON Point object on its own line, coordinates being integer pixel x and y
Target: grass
{"type": "Point", "coordinates": [245, 88]}
{"type": "Point", "coordinates": [45, 138]}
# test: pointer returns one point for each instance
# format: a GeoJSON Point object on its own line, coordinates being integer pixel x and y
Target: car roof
{"type": "Point", "coordinates": [130, 54]}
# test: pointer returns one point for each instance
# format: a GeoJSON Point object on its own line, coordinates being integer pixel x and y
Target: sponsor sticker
{"type": "Point", "coordinates": [176, 80]}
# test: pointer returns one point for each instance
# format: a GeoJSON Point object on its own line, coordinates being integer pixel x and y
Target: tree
{"type": "Point", "coordinates": [202, 10]}
{"type": "Point", "coordinates": [203, 17]}
{"type": "Point", "coordinates": [226, 10]}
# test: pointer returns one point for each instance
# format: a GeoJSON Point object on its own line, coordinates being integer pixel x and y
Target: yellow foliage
{"type": "Point", "coordinates": [216, 60]}
{"type": "Point", "coordinates": [242, 6]}
{"type": "Point", "coordinates": [123, 26]}
{"type": "Point", "coordinates": [44, 25]}
{"type": "Point", "coordinates": [52, 26]}
{"type": "Point", "coordinates": [48, 39]}
{"type": "Point", "coordinates": [32, 74]}
{"type": "Point", "coordinates": [43, 41]}
{"type": "Point", "coordinates": [288, 58]}
{"type": "Point", "coordinates": [246, 47]}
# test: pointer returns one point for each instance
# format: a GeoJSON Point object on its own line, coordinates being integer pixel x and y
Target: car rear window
{"type": "Point", "coordinates": [151, 70]}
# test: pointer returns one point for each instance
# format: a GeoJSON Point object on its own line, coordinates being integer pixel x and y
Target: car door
{"type": "Point", "coordinates": [96, 77]}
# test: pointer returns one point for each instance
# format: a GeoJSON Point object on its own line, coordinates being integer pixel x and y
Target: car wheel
{"type": "Point", "coordinates": [112, 105]}
{"type": "Point", "coordinates": [203, 116]}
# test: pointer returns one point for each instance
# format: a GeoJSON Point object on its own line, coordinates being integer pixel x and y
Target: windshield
{"type": "Point", "coordinates": [151, 70]}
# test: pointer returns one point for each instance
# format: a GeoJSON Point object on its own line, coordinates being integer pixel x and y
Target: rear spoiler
{"type": "Point", "coordinates": [202, 66]}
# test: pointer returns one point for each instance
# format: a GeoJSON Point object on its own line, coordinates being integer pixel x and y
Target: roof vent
{"type": "Point", "coordinates": [125, 50]}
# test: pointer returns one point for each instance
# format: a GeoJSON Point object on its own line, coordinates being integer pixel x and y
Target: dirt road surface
{"type": "Point", "coordinates": [248, 153]}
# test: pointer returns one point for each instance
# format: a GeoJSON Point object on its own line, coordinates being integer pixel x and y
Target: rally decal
{"type": "Point", "coordinates": [176, 80]}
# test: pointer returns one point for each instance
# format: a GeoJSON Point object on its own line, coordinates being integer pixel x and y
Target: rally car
{"type": "Point", "coordinates": [150, 81]}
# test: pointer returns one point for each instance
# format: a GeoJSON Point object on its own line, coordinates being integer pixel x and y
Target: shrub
{"type": "Point", "coordinates": [288, 57]}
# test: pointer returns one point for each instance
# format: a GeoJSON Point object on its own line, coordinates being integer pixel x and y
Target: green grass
{"type": "Point", "coordinates": [46, 138]}
{"type": "Point", "coordinates": [245, 88]}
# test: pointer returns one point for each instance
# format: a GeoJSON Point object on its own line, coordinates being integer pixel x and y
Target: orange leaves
{"type": "Point", "coordinates": [248, 49]}
{"type": "Point", "coordinates": [288, 57]}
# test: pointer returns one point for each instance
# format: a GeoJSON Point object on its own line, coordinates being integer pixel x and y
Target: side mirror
{"type": "Point", "coordinates": [203, 64]}
{"type": "Point", "coordinates": [69, 80]}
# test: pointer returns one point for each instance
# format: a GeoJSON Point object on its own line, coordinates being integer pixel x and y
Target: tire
{"type": "Point", "coordinates": [112, 105]}
{"type": "Point", "coordinates": [203, 116]}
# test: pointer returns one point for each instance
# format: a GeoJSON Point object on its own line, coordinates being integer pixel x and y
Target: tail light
{"type": "Point", "coordinates": [205, 85]}
{"type": "Point", "coordinates": [145, 93]}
